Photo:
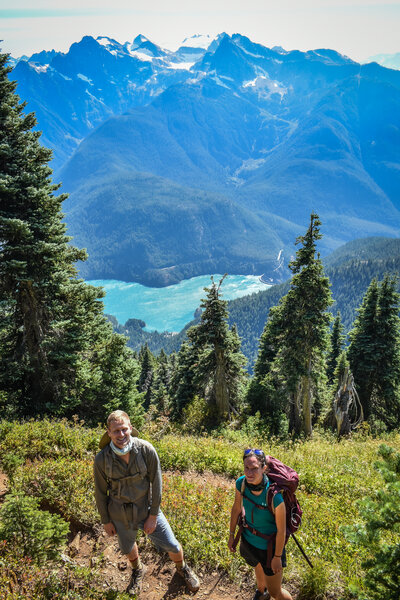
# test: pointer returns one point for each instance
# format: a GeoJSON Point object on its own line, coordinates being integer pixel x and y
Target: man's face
{"type": "Point", "coordinates": [119, 432]}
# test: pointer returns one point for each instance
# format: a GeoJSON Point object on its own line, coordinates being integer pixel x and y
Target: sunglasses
{"type": "Point", "coordinates": [253, 451]}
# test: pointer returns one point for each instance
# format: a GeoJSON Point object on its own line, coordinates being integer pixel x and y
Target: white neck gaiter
{"type": "Point", "coordinates": [124, 450]}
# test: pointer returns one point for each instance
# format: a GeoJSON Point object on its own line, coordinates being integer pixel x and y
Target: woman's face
{"type": "Point", "coordinates": [253, 470]}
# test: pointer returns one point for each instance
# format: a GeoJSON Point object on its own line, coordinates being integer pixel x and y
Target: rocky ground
{"type": "Point", "coordinates": [161, 582]}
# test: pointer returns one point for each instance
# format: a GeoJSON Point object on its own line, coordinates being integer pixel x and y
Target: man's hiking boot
{"type": "Point", "coordinates": [190, 578]}
{"type": "Point", "coordinates": [261, 595]}
{"type": "Point", "coordinates": [135, 584]}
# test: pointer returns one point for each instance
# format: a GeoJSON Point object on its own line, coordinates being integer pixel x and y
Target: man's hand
{"type": "Point", "coordinates": [109, 529]}
{"type": "Point", "coordinates": [150, 524]}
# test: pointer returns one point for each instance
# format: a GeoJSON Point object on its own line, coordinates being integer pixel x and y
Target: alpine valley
{"type": "Point", "coordinates": [211, 159]}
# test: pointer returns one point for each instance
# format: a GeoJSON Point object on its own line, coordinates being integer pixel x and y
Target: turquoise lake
{"type": "Point", "coordinates": [169, 308]}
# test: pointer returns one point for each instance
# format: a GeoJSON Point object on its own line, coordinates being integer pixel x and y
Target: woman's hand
{"type": "Point", "coordinates": [276, 564]}
{"type": "Point", "coordinates": [230, 542]}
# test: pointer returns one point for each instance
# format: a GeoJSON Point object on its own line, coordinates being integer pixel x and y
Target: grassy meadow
{"type": "Point", "coordinates": [52, 461]}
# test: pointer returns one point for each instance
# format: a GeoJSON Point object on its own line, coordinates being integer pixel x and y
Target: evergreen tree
{"type": "Point", "coordinates": [361, 352]}
{"type": "Point", "coordinates": [160, 394]}
{"type": "Point", "coordinates": [147, 374]}
{"type": "Point", "coordinates": [182, 387]}
{"type": "Point", "coordinates": [374, 352]}
{"type": "Point", "coordinates": [219, 373]}
{"type": "Point", "coordinates": [291, 363]}
{"type": "Point", "coordinates": [387, 394]}
{"type": "Point", "coordinates": [55, 343]}
{"type": "Point", "coordinates": [341, 365]}
{"type": "Point", "coordinates": [379, 533]}
{"type": "Point", "coordinates": [337, 341]}
{"type": "Point", "coordinates": [265, 394]}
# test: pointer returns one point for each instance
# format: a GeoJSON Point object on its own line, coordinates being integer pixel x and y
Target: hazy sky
{"type": "Point", "coordinates": [357, 28]}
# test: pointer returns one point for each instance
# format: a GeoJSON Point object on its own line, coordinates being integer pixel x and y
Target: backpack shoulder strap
{"type": "Point", "coordinates": [108, 463]}
{"type": "Point", "coordinates": [140, 460]}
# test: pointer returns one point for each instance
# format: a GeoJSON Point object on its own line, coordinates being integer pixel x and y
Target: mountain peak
{"type": "Point", "coordinates": [139, 40]}
{"type": "Point", "coordinates": [198, 41]}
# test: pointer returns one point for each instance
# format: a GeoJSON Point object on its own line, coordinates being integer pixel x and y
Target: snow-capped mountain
{"type": "Point", "coordinates": [211, 158]}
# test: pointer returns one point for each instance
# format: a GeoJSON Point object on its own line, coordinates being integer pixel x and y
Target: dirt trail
{"type": "Point", "coordinates": [160, 583]}
{"type": "Point", "coordinates": [101, 553]}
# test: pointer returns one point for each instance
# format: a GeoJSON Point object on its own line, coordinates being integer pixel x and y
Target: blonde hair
{"type": "Point", "coordinates": [117, 415]}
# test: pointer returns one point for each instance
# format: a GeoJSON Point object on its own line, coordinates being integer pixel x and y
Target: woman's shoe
{"type": "Point", "coordinates": [261, 595]}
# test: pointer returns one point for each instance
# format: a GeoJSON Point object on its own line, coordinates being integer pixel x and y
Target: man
{"type": "Point", "coordinates": [127, 477]}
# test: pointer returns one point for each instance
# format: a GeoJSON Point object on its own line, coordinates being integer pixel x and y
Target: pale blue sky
{"type": "Point", "coordinates": [357, 28]}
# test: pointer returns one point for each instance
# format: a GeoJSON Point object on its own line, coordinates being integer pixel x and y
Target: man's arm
{"type": "Point", "coordinates": [100, 493]}
{"type": "Point", "coordinates": [154, 471]}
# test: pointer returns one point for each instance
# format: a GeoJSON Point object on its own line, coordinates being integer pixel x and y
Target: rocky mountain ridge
{"type": "Point", "coordinates": [155, 147]}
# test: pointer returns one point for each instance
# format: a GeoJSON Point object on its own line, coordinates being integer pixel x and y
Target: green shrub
{"type": "Point", "coordinates": [65, 485]}
{"type": "Point", "coordinates": [195, 416]}
{"type": "Point", "coordinates": [314, 582]}
{"type": "Point", "coordinates": [47, 438]}
{"type": "Point", "coordinates": [379, 533]}
{"type": "Point", "coordinates": [10, 463]}
{"type": "Point", "coordinates": [33, 533]}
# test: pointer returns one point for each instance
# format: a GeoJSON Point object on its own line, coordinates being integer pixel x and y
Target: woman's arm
{"type": "Point", "coordinates": [280, 520]}
{"type": "Point", "coordinates": [235, 512]}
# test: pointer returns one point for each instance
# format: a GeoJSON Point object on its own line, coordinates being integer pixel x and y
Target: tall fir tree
{"type": "Point", "coordinates": [388, 353]}
{"type": "Point", "coordinates": [147, 374]}
{"type": "Point", "coordinates": [336, 348]}
{"type": "Point", "coordinates": [291, 363]}
{"type": "Point", "coordinates": [374, 352]}
{"type": "Point", "coordinates": [182, 385]}
{"type": "Point", "coordinates": [55, 344]}
{"type": "Point", "coordinates": [361, 352]}
{"type": "Point", "coordinates": [219, 372]}
{"type": "Point", "coordinates": [265, 394]}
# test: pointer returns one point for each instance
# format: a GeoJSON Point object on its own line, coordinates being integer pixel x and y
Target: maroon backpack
{"type": "Point", "coordinates": [284, 480]}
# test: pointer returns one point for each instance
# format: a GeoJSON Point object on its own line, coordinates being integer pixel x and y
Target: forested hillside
{"type": "Point", "coordinates": [350, 269]}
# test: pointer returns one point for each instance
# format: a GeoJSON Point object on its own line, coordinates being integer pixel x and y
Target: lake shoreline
{"type": "Point", "coordinates": [169, 308]}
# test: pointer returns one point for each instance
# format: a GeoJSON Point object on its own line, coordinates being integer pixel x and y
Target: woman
{"type": "Point", "coordinates": [252, 489]}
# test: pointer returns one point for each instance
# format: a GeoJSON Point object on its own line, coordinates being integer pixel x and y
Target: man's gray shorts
{"type": "Point", "coordinates": [162, 537]}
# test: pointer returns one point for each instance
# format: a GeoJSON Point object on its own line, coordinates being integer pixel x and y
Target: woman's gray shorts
{"type": "Point", "coordinates": [162, 537]}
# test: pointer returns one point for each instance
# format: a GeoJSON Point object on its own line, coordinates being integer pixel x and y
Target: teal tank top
{"type": "Point", "coordinates": [262, 520]}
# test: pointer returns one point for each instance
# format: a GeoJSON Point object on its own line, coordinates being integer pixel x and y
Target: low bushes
{"type": "Point", "coordinates": [333, 477]}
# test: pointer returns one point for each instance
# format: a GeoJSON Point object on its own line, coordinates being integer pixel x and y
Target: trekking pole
{"type": "Point", "coordinates": [301, 550]}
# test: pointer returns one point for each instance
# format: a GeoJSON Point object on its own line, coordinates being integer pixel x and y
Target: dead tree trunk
{"type": "Point", "coordinates": [347, 407]}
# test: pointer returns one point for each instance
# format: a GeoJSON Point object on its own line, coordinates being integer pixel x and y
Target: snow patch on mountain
{"type": "Point", "coordinates": [251, 164]}
{"type": "Point", "coordinates": [84, 78]}
{"type": "Point", "coordinates": [264, 86]}
{"type": "Point", "coordinates": [198, 41]}
{"type": "Point", "coordinates": [142, 55]}
{"type": "Point", "coordinates": [40, 68]}
{"type": "Point", "coordinates": [111, 45]}
{"type": "Point", "coordinates": [181, 65]}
